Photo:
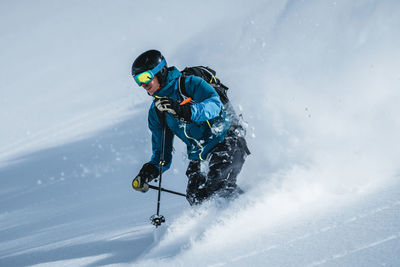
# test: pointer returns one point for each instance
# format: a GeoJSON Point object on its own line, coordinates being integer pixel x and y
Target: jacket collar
{"type": "Point", "coordinates": [169, 87]}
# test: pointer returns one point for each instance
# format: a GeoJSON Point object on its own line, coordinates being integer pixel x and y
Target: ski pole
{"type": "Point", "coordinates": [166, 190]}
{"type": "Point", "coordinates": [158, 219]}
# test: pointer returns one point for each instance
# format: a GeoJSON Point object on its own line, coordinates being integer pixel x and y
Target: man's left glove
{"type": "Point", "coordinates": [148, 173]}
{"type": "Point", "coordinates": [182, 112]}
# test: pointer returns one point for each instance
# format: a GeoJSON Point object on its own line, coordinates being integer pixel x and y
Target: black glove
{"type": "Point", "coordinates": [182, 112]}
{"type": "Point", "coordinates": [148, 173]}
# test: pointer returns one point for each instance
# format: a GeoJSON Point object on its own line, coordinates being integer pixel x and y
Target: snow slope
{"type": "Point", "coordinates": [317, 82]}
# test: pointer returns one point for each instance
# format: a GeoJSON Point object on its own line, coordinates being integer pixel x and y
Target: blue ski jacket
{"type": "Point", "coordinates": [210, 123]}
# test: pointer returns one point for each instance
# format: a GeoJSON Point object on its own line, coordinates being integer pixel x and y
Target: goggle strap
{"type": "Point", "coordinates": [159, 67]}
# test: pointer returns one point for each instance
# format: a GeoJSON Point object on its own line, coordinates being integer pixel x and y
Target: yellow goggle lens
{"type": "Point", "coordinates": [144, 78]}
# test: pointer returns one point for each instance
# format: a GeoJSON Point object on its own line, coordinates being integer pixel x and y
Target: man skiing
{"type": "Point", "coordinates": [211, 131]}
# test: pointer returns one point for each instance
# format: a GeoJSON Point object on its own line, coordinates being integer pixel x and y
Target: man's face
{"type": "Point", "coordinates": [152, 86]}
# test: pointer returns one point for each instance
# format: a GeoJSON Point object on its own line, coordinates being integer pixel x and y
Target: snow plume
{"type": "Point", "coordinates": [330, 90]}
{"type": "Point", "coordinates": [320, 81]}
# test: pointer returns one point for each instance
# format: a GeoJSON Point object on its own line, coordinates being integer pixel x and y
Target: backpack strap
{"type": "Point", "coordinates": [182, 88]}
{"type": "Point", "coordinates": [214, 79]}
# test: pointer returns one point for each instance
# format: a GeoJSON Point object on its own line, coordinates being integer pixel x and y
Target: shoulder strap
{"type": "Point", "coordinates": [181, 86]}
{"type": "Point", "coordinates": [214, 78]}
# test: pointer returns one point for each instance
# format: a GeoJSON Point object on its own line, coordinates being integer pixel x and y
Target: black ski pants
{"type": "Point", "coordinates": [225, 162]}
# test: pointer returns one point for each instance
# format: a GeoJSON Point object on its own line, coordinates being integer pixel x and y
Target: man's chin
{"type": "Point", "coordinates": [150, 92]}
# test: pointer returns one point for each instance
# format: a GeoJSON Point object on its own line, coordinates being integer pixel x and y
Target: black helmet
{"type": "Point", "coordinates": [148, 61]}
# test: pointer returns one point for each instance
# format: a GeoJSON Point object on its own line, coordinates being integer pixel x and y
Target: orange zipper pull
{"type": "Point", "coordinates": [185, 101]}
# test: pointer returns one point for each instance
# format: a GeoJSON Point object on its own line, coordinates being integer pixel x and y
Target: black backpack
{"type": "Point", "coordinates": [207, 74]}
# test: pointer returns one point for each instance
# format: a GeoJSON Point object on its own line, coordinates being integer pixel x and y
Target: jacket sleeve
{"type": "Point", "coordinates": [155, 127]}
{"type": "Point", "coordinates": [207, 104]}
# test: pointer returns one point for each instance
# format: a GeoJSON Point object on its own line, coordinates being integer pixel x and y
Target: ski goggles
{"type": "Point", "coordinates": [148, 75]}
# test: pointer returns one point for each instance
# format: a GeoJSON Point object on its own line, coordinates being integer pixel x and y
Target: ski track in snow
{"type": "Point", "coordinates": [331, 227]}
{"type": "Point", "coordinates": [363, 247]}
{"type": "Point", "coordinates": [84, 261]}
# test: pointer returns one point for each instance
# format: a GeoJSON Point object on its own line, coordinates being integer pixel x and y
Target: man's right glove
{"type": "Point", "coordinates": [182, 112]}
{"type": "Point", "coordinates": [148, 173]}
